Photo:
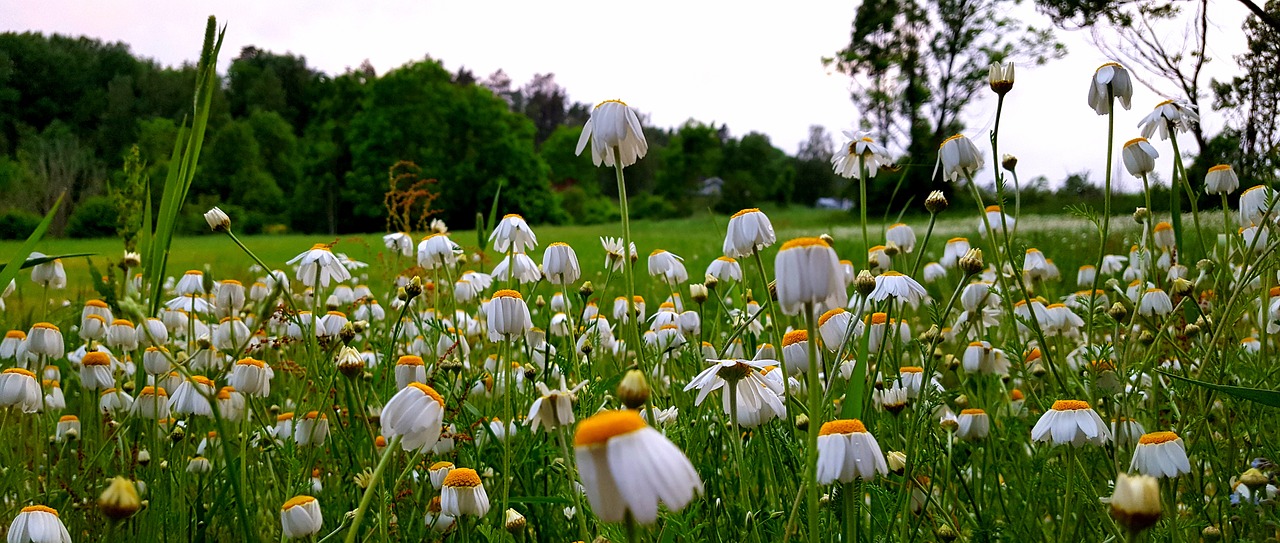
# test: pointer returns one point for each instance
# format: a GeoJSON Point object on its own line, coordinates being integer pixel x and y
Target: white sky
{"type": "Point", "coordinates": [753, 65]}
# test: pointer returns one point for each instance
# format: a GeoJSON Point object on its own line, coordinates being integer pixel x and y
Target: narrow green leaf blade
{"type": "Point", "coordinates": [19, 260]}
{"type": "Point", "coordinates": [1257, 395]}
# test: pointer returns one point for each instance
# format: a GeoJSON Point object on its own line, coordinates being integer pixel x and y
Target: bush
{"type": "Point", "coordinates": [93, 218]}
{"type": "Point", "coordinates": [17, 224]}
{"type": "Point", "coordinates": [648, 206]}
{"type": "Point", "coordinates": [586, 208]}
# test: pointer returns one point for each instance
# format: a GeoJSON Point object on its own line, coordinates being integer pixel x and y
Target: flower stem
{"type": "Point", "coordinates": [815, 420]}
{"type": "Point", "coordinates": [365, 500]}
{"type": "Point", "coordinates": [1106, 221]}
{"type": "Point", "coordinates": [628, 273]}
{"type": "Point", "coordinates": [850, 512]}
{"type": "Point", "coordinates": [1066, 523]}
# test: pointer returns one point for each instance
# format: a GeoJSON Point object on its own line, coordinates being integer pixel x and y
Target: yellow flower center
{"type": "Point", "coordinates": [462, 477]}
{"type": "Point", "coordinates": [842, 426]}
{"type": "Point", "coordinates": [15, 334]}
{"type": "Point", "coordinates": [1134, 141]}
{"type": "Point", "coordinates": [795, 336]}
{"type": "Point", "coordinates": [441, 465]}
{"type": "Point", "coordinates": [69, 418]}
{"type": "Point", "coordinates": [803, 242]}
{"type": "Point", "coordinates": [507, 293]}
{"type": "Point", "coordinates": [827, 316]}
{"type": "Point", "coordinates": [45, 326]}
{"type": "Point", "coordinates": [296, 501]}
{"type": "Point", "coordinates": [250, 362]}
{"type": "Point", "coordinates": [746, 211]}
{"type": "Point", "coordinates": [973, 412]}
{"type": "Point", "coordinates": [911, 369]}
{"type": "Point", "coordinates": [599, 429]}
{"type": "Point", "coordinates": [96, 358]}
{"type": "Point", "coordinates": [1220, 168]}
{"type": "Point", "coordinates": [1070, 405]}
{"type": "Point", "coordinates": [40, 509]}
{"type": "Point", "coordinates": [1156, 438]}
{"type": "Point", "coordinates": [409, 360]}
{"type": "Point", "coordinates": [153, 391]}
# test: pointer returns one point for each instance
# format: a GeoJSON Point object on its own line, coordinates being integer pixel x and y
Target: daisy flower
{"type": "Point", "coordinates": [1071, 422]}
{"type": "Point", "coordinates": [628, 467]}
{"type": "Point", "coordinates": [615, 134]}
{"type": "Point", "coordinates": [846, 451]}
{"type": "Point", "coordinates": [319, 262]}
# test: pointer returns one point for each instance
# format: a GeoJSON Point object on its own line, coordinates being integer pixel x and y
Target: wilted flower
{"type": "Point", "coordinates": [957, 157]}
{"type": "Point", "coordinates": [218, 220]}
{"type": "Point", "coordinates": [1110, 81]}
{"type": "Point", "coordinates": [1168, 114]}
{"type": "Point", "coordinates": [614, 127]}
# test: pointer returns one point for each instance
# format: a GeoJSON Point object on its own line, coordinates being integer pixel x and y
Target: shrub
{"type": "Point", "coordinates": [93, 218]}
{"type": "Point", "coordinates": [17, 224]}
{"type": "Point", "coordinates": [648, 206]}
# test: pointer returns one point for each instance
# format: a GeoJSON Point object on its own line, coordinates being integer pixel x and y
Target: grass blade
{"type": "Point", "coordinates": [19, 260]}
{"type": "Point", "coordinates": [1255, 395]}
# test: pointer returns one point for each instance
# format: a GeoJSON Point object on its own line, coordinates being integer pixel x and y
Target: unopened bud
{"type": "Point", "coordinates": [1136, 502]}
{"type": "Point", "coordinates": [347, 333]}
{"type": "Point", "coordinates": [773, 290]}
{"type": "Point", "coordinates": [971, 263]}
{"type": "Point", "coordinates": [827, 239]}
{"type": "Point", "coordinates": [218, 220]}
{"type": "Point", "coordinates": [120, 500]}
{"type": "Point", "coordinates": [514, 522]}
{"type": "Point", "coordinates": [414, 288]}
{"type": "Point", "coordinates": [1181, 287]}
{"type": "Point", "coordinates": [1146, 338]}
{"type": "Point", "coordinates": [802, 422]}
{"type": "Point", "coordinates": [586, 290]}
{"type": "Point", "coordinates": [634, 389]}
{"type": "Point", "coordinates": [897, 461]}
{"type": "Point", "coordinates": [864, 283]}
{"type": "Point", "coordinates": [1009, 162]}
{"type": "Point", "coordinates": [936, 202]}
{"type": "Point", "coordinates": [540, 302]}
{"type": "Point", "coordinates": [698, 293]}
{"type": "Point", "coordinates": [1211, 534]}
{"type": "Point", "coordinates": [1253, 478]}
{"type": "Point", "coordinates": [710, 282]}
{"type": "Point", "coordinates": [1205, 265]}
{"type": "Point", "coordinates": [891, 249]}
{"type": "Point", "coordinates": [1141, 215]}
{"type": "Point", "coordinates": [1191, 330]}
{"type": "Point", "coordinates": [1118, 312]}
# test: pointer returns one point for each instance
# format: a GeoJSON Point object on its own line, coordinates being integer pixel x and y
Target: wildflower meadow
{"type": "Point", "coordinates": [972, 373]}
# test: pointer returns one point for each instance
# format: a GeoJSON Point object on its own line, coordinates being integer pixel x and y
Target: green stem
{"type": "Point", "coordinates": [862, 207]}
{"type": "Point", "coordinates": [850, 513]}
{"type": "Point", "coordinates": [933, 219]}
{"type": "Point", "coordinates": [1106, 220]}
{"type": "Point", "coordinates": [365, 500]}
{"type": "Point", "coordinates": [815, 420]}
{"type": "Point", "coordinates": [628, 273]}
{"type": "Point", "coordinates": [1066, 522]}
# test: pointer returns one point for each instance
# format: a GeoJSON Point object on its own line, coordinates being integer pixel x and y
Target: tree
{"type": "Point", "coordinates": [918, 63]}
{"type": "Point", "coordinates": [1252, 103]}
{"type": "Point", "coordinates": [462, 135]}
{"type": "Point", "coordinates": [814, 177]}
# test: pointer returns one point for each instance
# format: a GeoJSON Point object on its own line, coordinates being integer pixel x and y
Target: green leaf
{"type": "Point", "coordinates": [1256, 395]}
{"type": "Point", "coordinates": [493, 211]}
{"type": "Point", "coordinates": [29, 262]}
{"type": "Point", "coordinates": [12, 268]}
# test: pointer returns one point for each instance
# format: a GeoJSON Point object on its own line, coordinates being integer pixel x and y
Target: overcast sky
{"type": "Point", "coordinates": [753, 65]}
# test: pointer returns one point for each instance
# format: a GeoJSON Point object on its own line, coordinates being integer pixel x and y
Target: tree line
{"type": "Point", "coordinates": [290, 148]}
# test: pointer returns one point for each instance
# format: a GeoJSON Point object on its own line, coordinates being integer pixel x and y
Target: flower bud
{"type": "Point", "coordinates": [710, 281]}
{"type": "Point", "coordinates": [946, 533]}
{"type": "Point", "coordinates": [1211, 534]}
{"type": "Point", "coordinates": [1253, 478]}
{"type": "Point", "coordinates": [773, 290]}
{"type": "Point", "coordinates": [1136, 502]}
{"type": "Point", "coordinates": [413, 289]}
{"type": "Point", "coordinates": [864, 283]}
{"type": "Point", "coordinates": [514, 522]}
{"type": "Point", "coordinates": [827, 239]}
{"type": "Point", "coordinates": [1181, 287]}
{"type": "Point", "coordinates": [1000, 76]}
{"type": "Point", "coordinates": [897, 461]}
{"type": "Point", "coordinates": [698, 293]}
{"type": "Point", "coordinates": [120, 500]}
{"type": "Point", "coordinates": [131, 260]}
{"type": "Point", "coordinates": [218, 220]}
{"type": "Point", "coordinates": [891, 249]}
{"type": "Point", "coordinates": [1009, 162]}
{"type": "Point", "coordinates": [802, 422]}
{"type": "Point", "coordinates": [1141, 215]}
{"type": "Point", "coordinates": [936, 202]}
{"type": "Point", "coordinates": [634, 389]}
{"type": "Point", "coordinates": [971, 263]}
{"type": "Point", "coordinates": [586, 290]}
{"type": "Point", "coordinates": [540, 302]}
{"type": "Point", "coordinates": [1118, 312]}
